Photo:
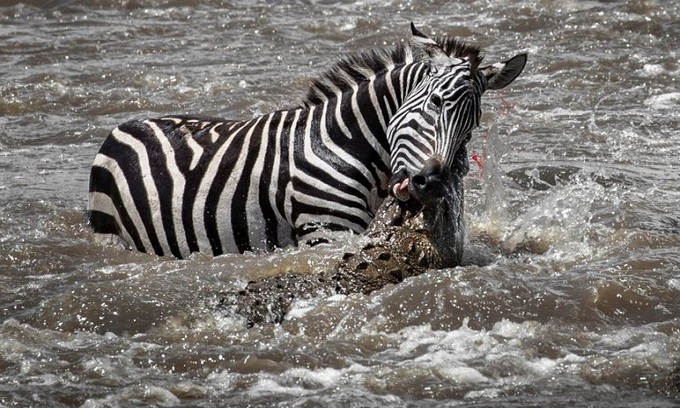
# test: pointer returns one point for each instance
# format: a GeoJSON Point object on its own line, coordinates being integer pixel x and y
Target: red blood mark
{"type": "Point", "coordinates": [479, 160]}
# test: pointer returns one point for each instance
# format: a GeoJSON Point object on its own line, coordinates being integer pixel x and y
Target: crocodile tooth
{"type": "Point", "coordinates": [422, 259]}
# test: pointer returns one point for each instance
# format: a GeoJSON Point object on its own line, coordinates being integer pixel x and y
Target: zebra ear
{"type": "Point", "coordinates": [438, 58]}
{"type": "Point", "coordinates": [501, 74]}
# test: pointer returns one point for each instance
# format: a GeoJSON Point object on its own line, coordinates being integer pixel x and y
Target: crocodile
{"type": "Point", "coordinates": [405, 239]}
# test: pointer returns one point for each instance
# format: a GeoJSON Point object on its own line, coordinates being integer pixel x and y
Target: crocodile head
{"type": "Point", "coordinates": [439, 188]}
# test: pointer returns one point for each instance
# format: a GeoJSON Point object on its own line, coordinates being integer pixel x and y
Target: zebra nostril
{"type": "Point", "coordinates": [419, 181]}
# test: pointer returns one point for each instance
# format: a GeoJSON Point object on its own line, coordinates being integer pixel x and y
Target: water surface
{"type": "Point", "coordinates": [577, 199]}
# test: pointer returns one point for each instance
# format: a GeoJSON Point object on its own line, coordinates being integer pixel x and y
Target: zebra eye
{"type": "Point", "coordinates": [436, 102]}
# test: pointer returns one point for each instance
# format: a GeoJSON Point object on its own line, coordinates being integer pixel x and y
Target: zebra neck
{"type": "Point", "coordinates": [366, 109]}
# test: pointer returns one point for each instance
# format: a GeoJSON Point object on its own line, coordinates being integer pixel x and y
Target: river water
{"type": "Point", "coordinates": [577, 202]}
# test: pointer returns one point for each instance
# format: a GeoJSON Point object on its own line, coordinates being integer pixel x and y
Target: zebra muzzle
{"type": "Point", "coordinates": [426, 185]}
{"type": "Point", "coordinates": [431, 183]}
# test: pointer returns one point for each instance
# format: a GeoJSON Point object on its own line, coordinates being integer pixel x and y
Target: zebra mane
{"type": "Point", "coordinates": [354, 69]}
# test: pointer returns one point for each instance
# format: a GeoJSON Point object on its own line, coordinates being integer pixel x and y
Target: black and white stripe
{"type": "Point", "coordinates": [177, 185]}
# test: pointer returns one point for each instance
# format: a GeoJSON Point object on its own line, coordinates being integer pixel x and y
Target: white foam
{"type": "Point", "coordinates": [674, 283]}
{"type": "Point", "coordinates": [541, 367]}
{"type": "Point", "coordinates": [146, 394]}
{"type": "Point", "coordinates": [325, 377]}
{"type": "Point", "coordinates": [466, 375]}
{"type": "Point", "coordinates": [300, 307]}
{"type": "Point", "coordinates": [466, 358]}
{"type": "Point", "coordinates": [652, 70]}
{"type": "Point", "coordinates": [669, 100]}
{"type": "Point", "coordinates": [268, 385]}
{"type": "Point", "coordinates": [508, 329]}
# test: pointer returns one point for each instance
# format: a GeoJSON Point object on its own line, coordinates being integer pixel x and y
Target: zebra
{"type": "Point", "coordinates": [175, 185]}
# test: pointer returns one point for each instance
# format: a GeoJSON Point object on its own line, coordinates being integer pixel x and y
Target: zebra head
{"type": "Point", "coordinates": [438, 115]}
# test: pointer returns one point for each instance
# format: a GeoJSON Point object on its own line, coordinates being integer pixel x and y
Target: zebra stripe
{"type": "Point", "coordinates": [177, 185]}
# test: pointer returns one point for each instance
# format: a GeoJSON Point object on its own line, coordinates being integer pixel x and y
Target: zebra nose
{"type": "Point", "coordinates": [430, 184]}
{"type": "Point", "coordinates": [421, 181]}
{"type": "Point", "coordinates": [425, 186]}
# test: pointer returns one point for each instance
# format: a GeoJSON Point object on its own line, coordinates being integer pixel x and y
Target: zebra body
{"type": "Point", "coordinates": [247, 184]}
{"type": "Point", "coordinates": [179, 184]}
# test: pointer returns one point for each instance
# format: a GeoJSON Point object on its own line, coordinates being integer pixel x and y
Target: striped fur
{"type": "Point", "coordinates": [176, 185]}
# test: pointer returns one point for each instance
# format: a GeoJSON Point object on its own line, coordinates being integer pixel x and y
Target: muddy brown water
{"type": "Point", "coordinates": [577, 200]}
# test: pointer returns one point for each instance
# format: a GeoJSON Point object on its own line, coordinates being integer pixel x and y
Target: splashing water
{"type": "Point", "coordinates": [573, 205]}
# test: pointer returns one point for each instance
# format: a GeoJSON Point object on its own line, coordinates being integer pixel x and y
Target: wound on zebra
{"type": "Point", "coordinates": [384, 121]}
